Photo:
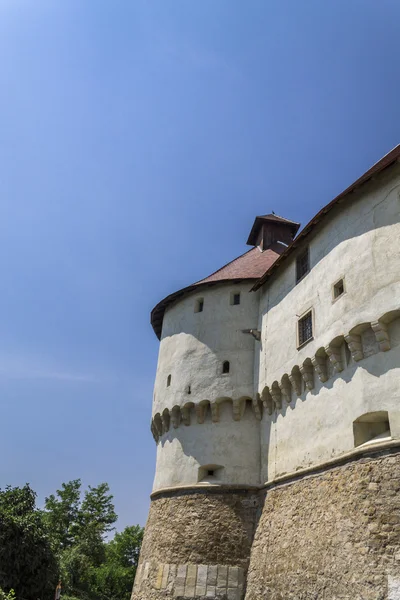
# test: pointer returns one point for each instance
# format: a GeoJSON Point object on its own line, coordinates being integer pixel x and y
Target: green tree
{"type": "Point", "coordinates": [27, 562]}
{"type": "Point", "coordinates": [78, 529]}
{"type": "Point", "coordinates": [61, 514]}
{"type": "Point", "coordinates": [113, 579]}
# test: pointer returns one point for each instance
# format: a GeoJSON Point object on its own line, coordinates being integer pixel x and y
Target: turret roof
{"type": "Point", "coordinates": [270, 218]}
{"type": "Point", "coordinates": [251, 265]}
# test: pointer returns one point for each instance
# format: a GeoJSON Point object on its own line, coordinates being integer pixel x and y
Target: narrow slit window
{"type": "Point", "coordinates": [225, 367]}
{"type": "Point", "coordinates": [168, 380]}
{"type": "Point", "coordinates": [302, 264]}
{"type": "Point", "coordinates": [199, 305]}
{"type": "Point", "coordinates": [338, 289]}
{"type": "Point", "coordinates": [305, 330]}
{"type": "Point", "coordinates": [235, 298]}
{"type": "Point", "coordinates": [188, 389]}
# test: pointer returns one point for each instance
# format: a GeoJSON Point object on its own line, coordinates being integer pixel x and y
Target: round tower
{"type": "Point", "coordinates": [205, 421]}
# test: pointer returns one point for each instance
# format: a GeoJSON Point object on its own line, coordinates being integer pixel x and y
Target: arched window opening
{"type": "Point", "coordinates": [168, 380]}
{"type": "Point", "coordinates": [371, 428]}
{"type": "Point", "coordinates": [225, 367]}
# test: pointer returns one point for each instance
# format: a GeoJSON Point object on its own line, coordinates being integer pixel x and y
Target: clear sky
{"type": "Point", "coordinates": [139, 139]}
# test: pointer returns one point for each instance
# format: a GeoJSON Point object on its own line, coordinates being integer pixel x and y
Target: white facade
{"type": "Point", "coordinates": [282, 408]}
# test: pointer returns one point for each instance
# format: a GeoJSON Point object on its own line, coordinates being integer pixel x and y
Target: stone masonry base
{"type": "Point", "coordinates": [333, 535]}
{"type": "Point", "coordinates": [197, 545]}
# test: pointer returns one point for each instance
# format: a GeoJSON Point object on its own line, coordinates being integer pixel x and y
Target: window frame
{"type": "Point", "coordinates": [305, 252]}
{"type": "Point", "coordinates": [335, 298]}
{"type": "Point", "coordinates": [309, 311]}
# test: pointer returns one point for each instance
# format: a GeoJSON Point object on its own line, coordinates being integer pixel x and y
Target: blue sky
{"type": "Point", "coordinates": [138, 141]}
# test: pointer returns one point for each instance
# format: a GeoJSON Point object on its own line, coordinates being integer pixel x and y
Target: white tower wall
{"type": "Point", "coordinates": [191, 387]}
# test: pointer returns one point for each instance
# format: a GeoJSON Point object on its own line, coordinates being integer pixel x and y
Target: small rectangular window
{"type": "Point", "coordinates": [199, 305]}
{"type": "Point", "coordinates": [305, 331]}
{"type": "Point", "coordinates": [235, 298]}
{"type": "Point", "coordinates": [338, 289]}
{"type": "Point", "coordinates": [302, 264]}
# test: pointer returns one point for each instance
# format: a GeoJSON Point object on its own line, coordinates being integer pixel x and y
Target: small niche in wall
{"type": "Point", "coordinates": [168, 380]}
{"type": "Point", "coordinates": [210, 474]}
{"type": "Point", "coordinates": [226, 367]}
{"type": "Point", "coordinates": [199, 305]}
{"type": "Point", "coordinates": [371, 427]}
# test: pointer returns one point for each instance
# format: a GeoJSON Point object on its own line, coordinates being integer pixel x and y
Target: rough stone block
{"type": "Point", "coordinates": [222, 576]}
{"type": "Point", "coordinates": [159, 577]}
{"type": "Point", "coordinates": [211, 591]}
{"type": "Point", "coordinates": [233, 577]}
{"type": "Point", "coordinates": [190, 587]}
{"type": "Point", "coordinates": [201, 582]}
{"type": "Point", "coordinates": [165, 577]}
{"type": "Point", "coordinates": [180, 581]}
{"type": "Point", "coordinates": [233, 594]}
{"type": "Point", "coordinates": [212, 575]}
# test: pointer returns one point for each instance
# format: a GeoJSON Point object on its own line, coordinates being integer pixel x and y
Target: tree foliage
{"type": "Point", "coordinates": [67, 541]}
{"type": "Point", "coordinates": [27, 562]}
{"type": "Point", "coordinates": [90, 567]}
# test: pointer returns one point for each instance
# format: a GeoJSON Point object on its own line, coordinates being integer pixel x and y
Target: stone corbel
{"type": "Point", "coordinates": [286, 389]}
{"type": "Point", "coordinates": [335, 357]}
{"type": "Point", "coordinates": [381, 335]}
{"type": "Point", "coordinates": [215, 412]}
{"type": "Point", "coordinates": [185, 415]}
{"type": "Point", "coordinates": [296, 383]}
{"type": "Point", "coordinates": [319, 364]}
{"type": "Point", "coordinates": [238, 407]}
{"type": "Point", "coordinates": [355, 346]}
{"type": "Point", "coordinates": [176, 417]}
{"type": "Point", "coordinates": [267, 400]}
{"type": "Point", "coordinates": [158, 425]}
{"type": "Point", "coordinates": [154, 432]}
{"type": "Point", "coordinates": [200, 413]}
{"type": "Point", "coordinates": [257, 407]}
{"type": "Point", "coordinates": [276, 395]}
{"type": "Point", "coordinates": [307, 374]}
{"type": "Point", "coordinates": [165, 421]}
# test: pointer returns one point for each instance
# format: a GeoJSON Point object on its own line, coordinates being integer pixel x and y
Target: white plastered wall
{"type": "Point", "coordinates": [360, 241]}
{"type": "Point", "coordinates": [194, 345]}
{"type": "Point", "coordinates": [232, 445]}
{"type": "Point", "coordinates": [192, 349]}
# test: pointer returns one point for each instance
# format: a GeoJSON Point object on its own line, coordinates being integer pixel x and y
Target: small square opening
{"type": "Point", "coordinates": [235, 298]}
{"type": "Point", "coordinates": [199, 305]}
{"type": "Point", "coordinates": [338, 289]}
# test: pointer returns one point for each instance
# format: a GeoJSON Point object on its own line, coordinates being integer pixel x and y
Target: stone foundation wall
{"type": "Point", "coordinates": [197, 545]}
{"type": "Point", "coordinates": [331, 536]}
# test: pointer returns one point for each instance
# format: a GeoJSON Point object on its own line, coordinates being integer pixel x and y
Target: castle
{"type": "Point", "coordinates": [276, 413]}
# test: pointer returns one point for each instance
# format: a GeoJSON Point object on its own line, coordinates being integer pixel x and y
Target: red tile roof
{"type": "Point", "coordinates": [250, 265]}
